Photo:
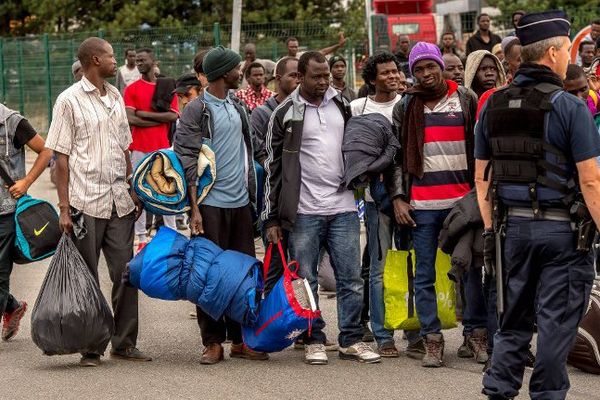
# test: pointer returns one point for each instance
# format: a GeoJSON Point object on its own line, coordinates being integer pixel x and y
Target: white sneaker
{"type": "Point", "coordinates": [314, 354]}
{"type": "Point", "coordinates": [360, 352]}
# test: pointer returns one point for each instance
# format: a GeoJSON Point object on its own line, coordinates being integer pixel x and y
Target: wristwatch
{"type": "Point", "coordinates": [487, 232]}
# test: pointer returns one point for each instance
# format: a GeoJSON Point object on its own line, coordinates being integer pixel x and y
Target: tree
{"type": "Point", "coordinates": [80, 15]}
{"type": "Point", "coordinates": [14, 18]}
{"type": "Point", "coordinates": [581, 12]}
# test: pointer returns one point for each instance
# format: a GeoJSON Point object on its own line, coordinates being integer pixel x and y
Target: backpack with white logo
{"type": "Point", "coordinates": [36, 225]}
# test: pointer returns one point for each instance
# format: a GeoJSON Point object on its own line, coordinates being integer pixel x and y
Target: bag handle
{"type": "Point", "coordinates": [286, 267]}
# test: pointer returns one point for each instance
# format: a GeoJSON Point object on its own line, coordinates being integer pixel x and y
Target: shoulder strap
{"type": "Point", "coordinates": [362, 112]}
{"type": "Point", "coordinates": [5, 176]}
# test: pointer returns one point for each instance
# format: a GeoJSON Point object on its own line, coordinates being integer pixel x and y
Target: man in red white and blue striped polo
{"type": "Point", "coordinates": [435, 122]}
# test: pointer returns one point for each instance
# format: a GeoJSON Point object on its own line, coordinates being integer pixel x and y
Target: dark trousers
{"type": "Point", "coordinates": [114, 237]}
{"type": "Point", "coordinates": [276, 267]}
{"type": "Point", "coordinates": [475, 312]}
{"type": "Point", "coordinates": [231, 229]}
{"type": "Point", "coordinates": [7, 244]}
{"type": "Point", "coordinates": [545, 281]}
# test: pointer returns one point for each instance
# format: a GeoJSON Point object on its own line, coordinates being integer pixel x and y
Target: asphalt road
{"type": "Point", "coordinates": [169, 335]}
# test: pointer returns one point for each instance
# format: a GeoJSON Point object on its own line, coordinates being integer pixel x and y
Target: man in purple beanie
{"type": "Point", "coordinates": [435, 121]}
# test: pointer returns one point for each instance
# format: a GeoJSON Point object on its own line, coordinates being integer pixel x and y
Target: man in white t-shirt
{"type": "Point", "coordinates": [127, 73]}
{"type": "Point", "coordinates": [382, 74]}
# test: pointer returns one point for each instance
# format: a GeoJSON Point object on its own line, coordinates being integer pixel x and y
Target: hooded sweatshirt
{"type": "Point", "coordinates": [473, 62]}
{"type": "Point", "coordinates": [11, 158]}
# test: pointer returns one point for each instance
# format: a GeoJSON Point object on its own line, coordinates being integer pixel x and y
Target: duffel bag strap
{"type": "Point", "coordinates": [286, 267]}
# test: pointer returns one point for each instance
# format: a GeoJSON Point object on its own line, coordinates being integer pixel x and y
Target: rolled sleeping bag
{"type": "Point", "coordinates": [159, 181]}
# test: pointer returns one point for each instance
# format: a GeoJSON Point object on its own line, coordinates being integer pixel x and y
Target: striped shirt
{"type": "Point", "coordinates": [94, 136]}
{"type": "Point", "coordinates": [445, 179]}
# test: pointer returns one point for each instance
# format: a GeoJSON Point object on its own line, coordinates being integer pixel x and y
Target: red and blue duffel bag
{"type": "Point", "coordinates": [285, 313]}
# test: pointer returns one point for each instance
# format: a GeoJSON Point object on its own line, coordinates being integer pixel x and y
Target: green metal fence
{"type": "Point", "coordinates": [34, 70]}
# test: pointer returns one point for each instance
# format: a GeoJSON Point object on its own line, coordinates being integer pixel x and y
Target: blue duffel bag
{"type": "Point", "coordinates": [285, 313]}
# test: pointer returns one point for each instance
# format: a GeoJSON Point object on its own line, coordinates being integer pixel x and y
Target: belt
{"type": "Point", "coordinates": [549, 214]}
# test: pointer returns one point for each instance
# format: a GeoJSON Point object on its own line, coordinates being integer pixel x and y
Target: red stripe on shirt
{"type": "Point", "coordinates": [444, 134]}
{"type": "Point", "coordinates": [439, 192]}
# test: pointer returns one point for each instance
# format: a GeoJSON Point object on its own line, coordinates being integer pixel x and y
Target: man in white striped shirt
{"type": "Point", "coordinates": [90, 135]}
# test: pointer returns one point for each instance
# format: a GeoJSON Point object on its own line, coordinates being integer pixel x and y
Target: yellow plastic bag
{"type": "Point", "coordinates": [398, 291]}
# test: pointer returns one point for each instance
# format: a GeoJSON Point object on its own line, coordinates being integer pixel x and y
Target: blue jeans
{"type": "Point", "coordinates": [377, 251]}
{"type": "Point", "coordinates": [341, 234]}
{"type": "Point", "coordinates": [475, 313]}
{"type": "Point", "coordinates": [425, 242]}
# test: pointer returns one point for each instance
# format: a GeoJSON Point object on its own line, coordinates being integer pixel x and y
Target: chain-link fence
{"type": "Point", "coordinates": [34, 70]}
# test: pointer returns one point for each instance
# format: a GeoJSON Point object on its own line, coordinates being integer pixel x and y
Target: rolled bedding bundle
{"type": "Point", "coordinates": [159, 181]}
{"type": "Point", "coordinates": [221, 282]}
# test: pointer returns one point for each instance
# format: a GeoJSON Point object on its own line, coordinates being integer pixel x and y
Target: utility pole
{"type": "Point", "coordinates": [368, 12]}
{"type": "Point", "coordinates": [236, 25]}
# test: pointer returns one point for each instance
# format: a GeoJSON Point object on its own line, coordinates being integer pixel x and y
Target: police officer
{"type": "Point", "coordinates": [535, 150]}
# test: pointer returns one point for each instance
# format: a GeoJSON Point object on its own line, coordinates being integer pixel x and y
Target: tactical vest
{"type": "Point", "coordinates": [526, 168]}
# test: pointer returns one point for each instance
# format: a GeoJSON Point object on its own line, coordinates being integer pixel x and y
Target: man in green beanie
{"type": "Point", "coordinates": [220, 120]}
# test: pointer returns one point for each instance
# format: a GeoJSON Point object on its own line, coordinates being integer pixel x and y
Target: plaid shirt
{"type": "Point", "coordinates": [253, 100]}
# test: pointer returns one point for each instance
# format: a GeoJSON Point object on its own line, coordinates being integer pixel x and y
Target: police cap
{"type": "Point", "coordinates": [542, 25]}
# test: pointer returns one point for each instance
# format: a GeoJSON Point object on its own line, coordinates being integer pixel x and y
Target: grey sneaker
{"type": "Point", "coordinates": [478, 345]}
{"type": "Point", "coordinates": [314, 354]}
{"type": "Point", "coordinates": [434, 351]}
{"type": "Point", "coordinates": [416, 349]}
{"type": "Point", "coordinates": [361, 352]}
{"type": "Point", "coordinates": [329, 346]}
{"type": "Point", "coordinates": [464, 351]}
{"type": "Point", "coordinates": [130, 354]}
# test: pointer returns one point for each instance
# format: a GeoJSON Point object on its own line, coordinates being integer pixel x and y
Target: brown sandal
{"type": "Point", "coordinates": [388, 350]}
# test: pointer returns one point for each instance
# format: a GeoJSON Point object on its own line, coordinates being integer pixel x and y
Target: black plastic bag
{"type": "Point", "coordinates": [70, 314]}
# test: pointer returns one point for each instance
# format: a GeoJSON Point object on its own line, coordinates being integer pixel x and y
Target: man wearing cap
{"type": "Point", "coordinates": [337, 66]}
{"type": "Point", "coordinates": [220, 120]}
{"type": "Point", "coordinates": [434, 122]}
{"type": "Point", "coordinates": [542, 145]}
{"type": "Point", "coordinates": [187, 88]}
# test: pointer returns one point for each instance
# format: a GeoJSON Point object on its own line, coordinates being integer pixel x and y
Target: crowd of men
{"type": "Point", "coordinates": [461, 121]}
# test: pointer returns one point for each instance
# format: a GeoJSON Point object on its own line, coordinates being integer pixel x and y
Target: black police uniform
{"type": "Point", "coordinates": [534, 134]}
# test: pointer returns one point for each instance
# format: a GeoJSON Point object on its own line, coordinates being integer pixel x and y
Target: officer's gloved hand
{"type": "Point", "coordinates": [489, 252]}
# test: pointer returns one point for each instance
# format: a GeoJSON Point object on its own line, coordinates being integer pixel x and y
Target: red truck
{"type": "Point", "coordinates": [405, 17]}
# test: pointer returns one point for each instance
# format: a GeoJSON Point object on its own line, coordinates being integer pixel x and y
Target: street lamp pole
{"type": "Point", "coordinates": [368, 12]}
{"type": "Point", "coordinates": [236, 25]}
